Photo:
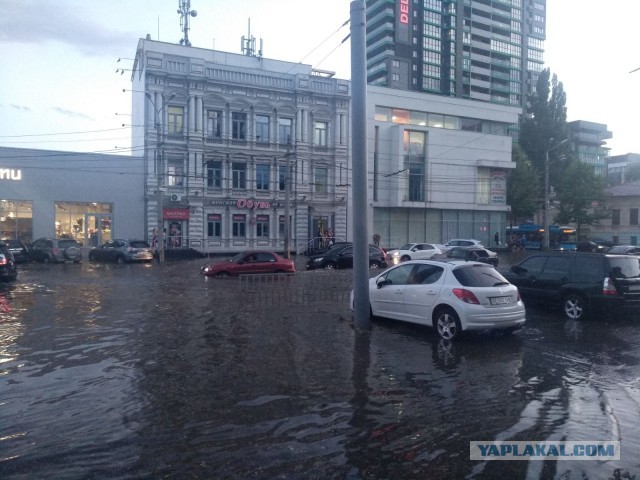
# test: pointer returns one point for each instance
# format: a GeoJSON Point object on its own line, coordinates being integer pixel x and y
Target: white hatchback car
{"type": "Point", "coordinates": [412, 251]}
{"type": "Point", "coordinates": [451, 297]}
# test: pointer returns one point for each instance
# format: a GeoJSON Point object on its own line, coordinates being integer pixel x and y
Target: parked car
{"type": "Point", "coordinates": [55, 250]}
{"type": "Point", "coordinates": [19, 249]}
{"type": "Point", "coordinates": [341, 256]}
{"type": "Point", "coordinates": [578, 283]}
{"type": "Point", "coordinates": [478, 254]}
{"type": "Point", "coordinates": [8, 270]}
{"type": "Point", "coordinates": [452, 297]}
{"type": "Point", "coordinates": [459, 242]}
{"type": "Point", "coordinates": [122, 250]}
{"type": "Point", "coordinates": [412, 251]}
{"type": "Point", "coordinates": [590, 246]}
{"type": "Point", "coordinates": [249, 262]}
{"type": "Point", "coordinates": [625, 250]}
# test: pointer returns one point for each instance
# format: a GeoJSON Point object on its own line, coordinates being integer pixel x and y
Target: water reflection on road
{"type": "Point", "coordinates": [149, 371]}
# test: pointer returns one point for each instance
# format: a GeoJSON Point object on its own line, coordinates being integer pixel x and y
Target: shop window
{"type": "Point", "coordinates": [214, 174]}
{"type": "Point", "coordinates": [214, 225]}
{"type": "Point", "coordinates": [16, 220]}
{"type": "Point", "coordinates": [239, 175]}
{"type": "Point", "coordinates": [282, 178]}
{"type": "Point", "coordinates": [262, 227]}
{"type": "Point", "coordinates": [414, 163]}
{"type": "Point", "coordinates": [262, 129]}
{"type": "Point", "coordinates": [633, 216]}
{"type": "Point", "coordinates": [262, 176]}
{"type": "Point", "coordinates": [88, 223]}
{"type": "Point", "coordinates": [175, 120]}
{"type": "Point", "coordinates": [239, 225]}
{"type": "Point", "coordinates": [615, 216]}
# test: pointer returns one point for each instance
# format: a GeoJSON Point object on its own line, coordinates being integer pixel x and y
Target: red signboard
{"type": "Point", "coordinates": [175, 213]}
{"type": "Point", "coordinates": [404, 11]}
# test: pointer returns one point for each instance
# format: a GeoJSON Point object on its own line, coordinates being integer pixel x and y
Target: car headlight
{"type": "Point", "coordinates": [318, 260]}
{"type": "Point", "coordinates": [395, 254]}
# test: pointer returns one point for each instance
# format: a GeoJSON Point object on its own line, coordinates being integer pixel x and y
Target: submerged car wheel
{"type": "Point", "coordinates": [46, 259]}
{"type": "Point", "coordinates": [573, 306]}
{"type": "Point", "coordinates": [374, 265]}
{"type": "Point", "coordinates": [330, 266]}
{"type": "Point", "coordinates": [447, 324]}
{"type": "Point", "coordinates": [223, 274]}
{"type": "Point", "coordinates": [405, 258]}
{"type": "Point", "coordinates": [120, 259]}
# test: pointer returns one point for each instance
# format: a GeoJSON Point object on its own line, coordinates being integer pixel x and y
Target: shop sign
{"type": "Point", "coordinates": [245, 203]}
{"type": "Point", "coordinates": [175, 213]}
{"type": "Point", "coordinates": [498, 186]}
{"type": "Point", "coordinates": [10, 174]}
{"type": "Point", "coordinates": [212, 217]}
{"type": "Point", "coordinates": [404, 11]}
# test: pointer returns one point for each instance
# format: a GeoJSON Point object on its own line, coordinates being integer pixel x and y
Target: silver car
{"type": "Point", "coordinates": [122, 250]}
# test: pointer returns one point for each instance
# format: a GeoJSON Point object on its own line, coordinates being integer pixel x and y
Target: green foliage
{"type": "Point", "coordinates": [523, 187]}
{"type": "Point", "coordinates": [580, 187]}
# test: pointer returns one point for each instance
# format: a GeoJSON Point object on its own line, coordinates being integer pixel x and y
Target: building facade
{"type": "Point", "coordinates": [234, 143]}
{"type": "Point", "coordinates": [618, 166]}
{"type": "Point", "coordinates": [88, 197]}
{"type": "Point", "coordinates": [437, 167]}
{"type": "Point", "coordinates": [488, 50]}
{"type": "Point", "coordinates": [622, 227]}
{"type": "Point", "coordinates": [587, 141]}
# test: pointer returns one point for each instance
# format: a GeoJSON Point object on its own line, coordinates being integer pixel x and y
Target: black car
{"type": "Point", "coordinates": [590, 246]}
{"type": "Point", "coordinates": [579, 283]}
{"type": "Point", "coordinates": [625, 250]}
{"type": "Point", "coordinates": [8, 270]}
{"type": "Point", "coordinates": [477, 254]}
{"type": "Point", "coordinates": [341, 256]}
{"type": "Point", "coordinates": [19, 249]}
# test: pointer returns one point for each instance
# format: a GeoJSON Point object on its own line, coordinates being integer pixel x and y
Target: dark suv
{"type": "Point", "coordinates": [56, 250]}
{"type": "Point", "coordinates": [8, 270]}
{"type": "Point", "coordinates": [579, 283]}
{"type": "Point", "coordinates": [341, 256]}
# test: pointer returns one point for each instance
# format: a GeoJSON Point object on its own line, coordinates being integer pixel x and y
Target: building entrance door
{"type": "Point", "coordinates": [98, 229]}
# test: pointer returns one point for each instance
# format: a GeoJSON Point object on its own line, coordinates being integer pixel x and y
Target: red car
{"type": "Point", "coordinates": [249, 262]}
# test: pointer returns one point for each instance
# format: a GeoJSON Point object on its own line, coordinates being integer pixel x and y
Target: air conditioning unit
{"type": "Point", "coordinates": [175, 197]}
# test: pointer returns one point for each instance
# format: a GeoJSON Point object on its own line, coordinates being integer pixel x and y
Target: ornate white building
{"type": "Point", "coordinates": [218, 131]}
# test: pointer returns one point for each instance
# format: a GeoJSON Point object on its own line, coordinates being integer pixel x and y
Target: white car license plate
{"type": "Point", "coordinates": [500, 300]}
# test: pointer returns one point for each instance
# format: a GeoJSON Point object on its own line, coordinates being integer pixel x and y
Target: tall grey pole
{"type": "Point", "coordinates": [287, 204]}
{"type": "Point", "coordinates": [545, 245]}
{"type": "Point", "coordinates": [359, 168]}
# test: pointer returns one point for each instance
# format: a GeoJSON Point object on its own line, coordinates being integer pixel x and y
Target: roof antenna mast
{"type": "Point", "coordinates": [248, 46]}
{"type": "Point", "coordinates": [184, 9]}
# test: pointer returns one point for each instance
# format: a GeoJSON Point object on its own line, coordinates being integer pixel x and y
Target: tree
{"type": "Point", "coordinates": [523, 187]}
{"type": "Point", "coordinates": [580, 188]}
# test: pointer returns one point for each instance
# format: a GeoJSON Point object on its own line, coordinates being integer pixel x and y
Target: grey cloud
{"type": "Point", "coordinates": [70, 114]}
{"type": "Point", "coordinates": [20, 107]}
{"type": "Point", "coordinates": [38, 22]}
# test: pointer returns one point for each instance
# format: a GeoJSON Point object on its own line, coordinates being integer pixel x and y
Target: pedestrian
{"type": "Point", "coordinates": [154, 239]}
{"type": "Point", "coordinates": [376, 239]}
{"type": "Point", "coordinates": [496, 239]}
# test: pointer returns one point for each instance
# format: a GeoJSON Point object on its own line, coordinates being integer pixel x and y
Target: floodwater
{"type": "Point", "coordinates": [153, 371]}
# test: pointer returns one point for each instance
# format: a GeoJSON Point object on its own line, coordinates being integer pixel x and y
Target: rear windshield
{"type": "Point", "coordinates": [139, 244]}
{"type": "Point", "coordinates": [625, 267]}
{"type": "Point", "coordinates": [475, 275]}
{"type": "Point", "coordinates": [68, 243]}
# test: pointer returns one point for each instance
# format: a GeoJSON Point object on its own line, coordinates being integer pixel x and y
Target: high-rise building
{"type": "Point", "coordinates": [488, 50]}
{"type": "Point", "coordinates": [588, 143]}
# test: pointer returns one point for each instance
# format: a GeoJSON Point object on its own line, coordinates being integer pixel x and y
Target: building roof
{"type": "Point", "coordinates": [630, 189]}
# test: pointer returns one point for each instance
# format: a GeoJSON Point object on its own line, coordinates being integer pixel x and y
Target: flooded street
{"type": "Point", "coordinates": [153, 371]}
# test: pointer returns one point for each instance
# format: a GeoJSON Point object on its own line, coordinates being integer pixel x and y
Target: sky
{"type": "Point", "coordinates": [64, 63]}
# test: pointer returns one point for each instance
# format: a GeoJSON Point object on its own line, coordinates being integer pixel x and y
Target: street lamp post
{"type": "Point", "coordinates": [159, 171]}
{"type": "Point", "coordinates": [545, 245]}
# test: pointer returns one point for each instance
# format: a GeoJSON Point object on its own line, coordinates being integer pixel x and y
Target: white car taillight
{"type": "Point", "coordinates": [608, 288]}
{"type": "Point", "coordinates": [466, 296]}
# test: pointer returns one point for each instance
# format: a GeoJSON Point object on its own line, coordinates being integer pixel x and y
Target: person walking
{"type": "Point", "coordinates": [496, 239]}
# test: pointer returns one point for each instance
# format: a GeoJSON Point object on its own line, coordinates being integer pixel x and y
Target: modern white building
{"type": "Point", "coordinates": [234, 142]}
{"type": "Point", "coordinates": [89, 197]}
{"type": "Point", "coordinates": [437, 166]}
